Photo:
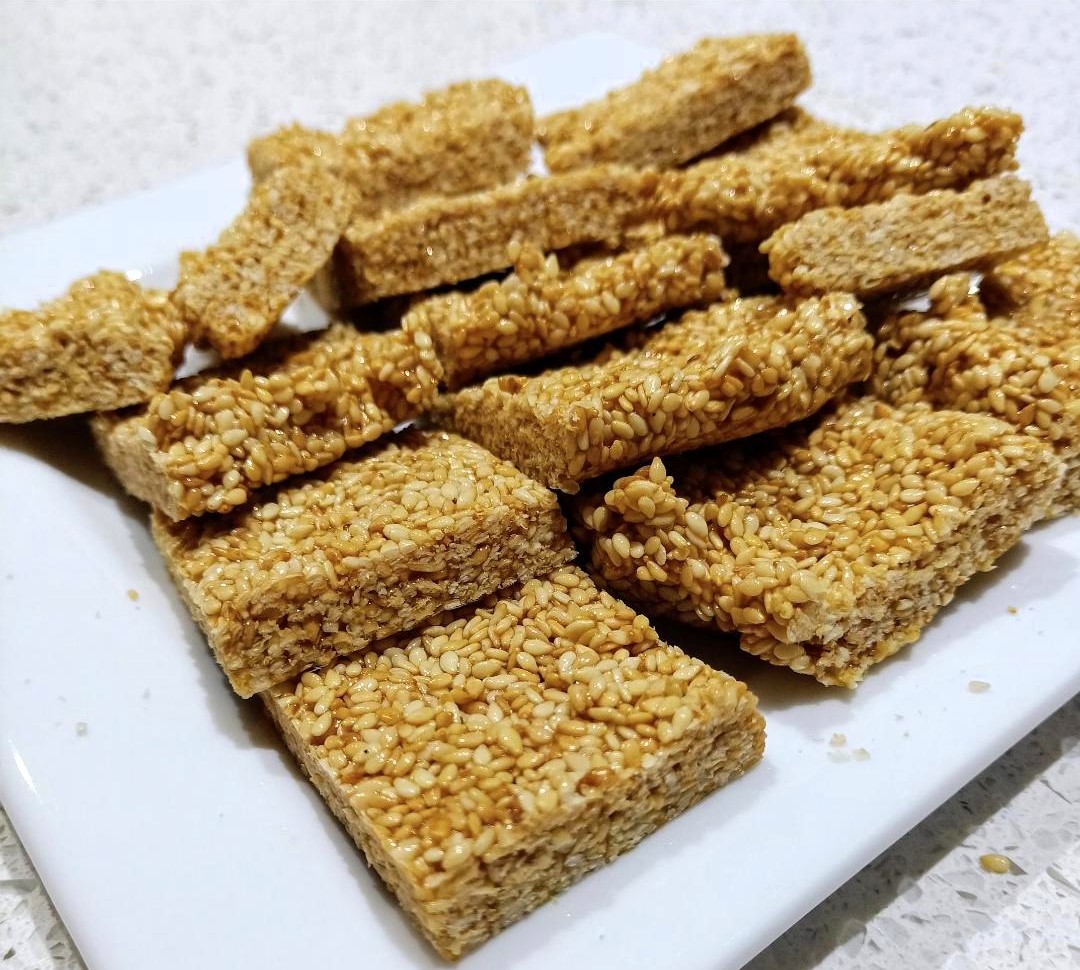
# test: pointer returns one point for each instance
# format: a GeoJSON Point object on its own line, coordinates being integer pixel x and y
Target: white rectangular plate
{"type": "Point", "coordinates": [173, 831]}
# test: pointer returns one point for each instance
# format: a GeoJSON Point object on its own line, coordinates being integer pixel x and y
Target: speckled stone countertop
{"type": "Point", "coordinates": [97, 101]}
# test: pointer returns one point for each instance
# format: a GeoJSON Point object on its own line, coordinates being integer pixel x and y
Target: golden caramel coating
{"type": "Point", "coordinates": [209, 442]}
{"type": "Point", "coordinates": [1023, 369]}
{"type": "Point", "coordinates": [370, 547]}
{"type": "Point", "coordinates": [469, 136]}
{"type": "Point", "coordinates": [733, 370]}
{"type": "Point", "coordinates": [688, 105]}
{"type": "Point", "coordinates": [233, 293]}
{"type": "Point", "coordinates": [830, 545]}
{"type": "Point", "coordinates": [540, 308]}
{"type": "Point", "coordinates": [897, 244]}
{"type": "Point", "coordinates": [489, 760]}
{"type": "Point", "coordinates": [446, 240]}
{"type": "Point", "coordinates": [800, 164]}
{"type": "Point", "coordinates": [1041, 285]}
{"type": "Point", "coordinates": [106, 343]}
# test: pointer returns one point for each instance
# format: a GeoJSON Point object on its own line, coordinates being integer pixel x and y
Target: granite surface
{"type": "Point", "coordinates": [97, 101]}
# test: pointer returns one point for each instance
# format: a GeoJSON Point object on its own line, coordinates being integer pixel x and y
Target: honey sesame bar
{"type": "Point", "coordinates": [207, 443]}
{"type": "Point", "coordinates": [466, 137]}
{"type": "Point", "coordinates": [688, 105]}
{"type": "Point", "coordinates": [488, 761]}
{"type": "Point", "coordinates": [896, 244]}
{"type": "Point", "coordinates": [1041, 284]}
{"type": "Point", "coordinates": [732, 370]}
{"type": "Point", "coordinates": [367, 548]}
{"type": "Point", "coordinates": [446, 240]}
{"type": "Point", "coordinates": [106, 343]}
{"type": "Point", "coordinates": [799, 164]}
{"type": "Point", "coordinates": [1023, 369]}
{"type": "Point", "coordinates": [233, 293]}
{"type": "Point", "coordinates": [828, 546]}
{"type": "Point", "coordinates": [540, 308]}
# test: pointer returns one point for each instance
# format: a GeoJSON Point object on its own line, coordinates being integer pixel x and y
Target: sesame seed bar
{"type": "Point", "coordinates": [488, 761]}
{"type": "Point", "coordinates": [1023, 369]}
{"type": "Point", "coordinates": [726, 372]}
{"type": "Point", "coordinates": [106, 343]}
{"type": "Point", "coordinates": [466, 137]}
{"type": "Point", "coordinates": [799, 164]}
{"type": "Point", "coordinates": [540, 308]}
{"type": "Point", "coordinates": [1042, 284]}
{"type": "Point", "coordinates": [446, 240]}
{"type": "Point", "coordinates": [891, 245]}
{"type": "Point", "coordinates": [233, 293]}
{"type": "Point", "coordinates": [207, 443]}
{"type": "Point", "coordinates": [829, 546]}
{"type": "Point", "coordinates": [370, 547]}
{"type": "Point", "coordinates": [685, 107]}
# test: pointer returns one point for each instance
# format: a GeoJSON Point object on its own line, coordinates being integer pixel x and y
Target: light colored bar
{"type": "Point", "coordinates": [211, 441]}
{"type": "Point", "coordinates": [733, 370]}
{"type": "Point", "coordinates": [685, 107]}
{"type": "Point", "coordinates": [104, 344]}
{"type": "Point", "coordinates": [541, 308]}
{"type": "Point", "coordinates": [235, 292]}
{"type": "Point", "coordinates": [829, 546]}
{"type": "Point", "coordinates": [376, 545]}
{"type": "Point", "coordinates": [1023, 368]}
{"type": "Point", "coordinates": [908, 240]}
{"type": "Point", "coordinates": [447, 240]}
{"type": "Point", "coordinates": [799, 164]}
{"type": "Point", "coordinates": [463, 138]}
{"type": "Point", "coordinates": [489, 760]}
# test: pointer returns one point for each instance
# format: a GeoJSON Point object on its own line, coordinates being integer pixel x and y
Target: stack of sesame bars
{"type": "Point", "coordinates": [688, 339]}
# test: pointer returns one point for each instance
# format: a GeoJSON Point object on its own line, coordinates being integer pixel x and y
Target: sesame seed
{"type": "Point", "coordinates": [996, 863]}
